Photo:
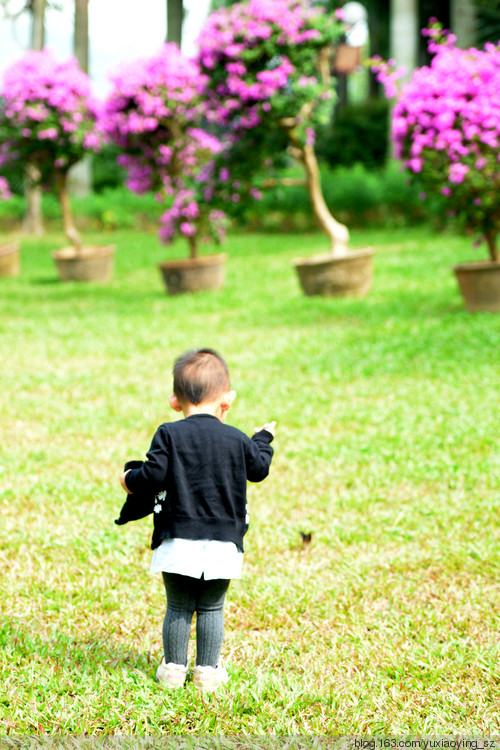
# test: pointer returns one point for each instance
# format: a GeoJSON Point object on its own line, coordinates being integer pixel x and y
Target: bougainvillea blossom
{"type": "Point", "coordinates": [446, 129]}
{"type": "Point", "coordinates": [153, 114]}
{"type": "Point", "coordinates": [4, 189]}
{"type": "Point", "coordinates": [48, 121]}
{"type": "Point", "coordinates": [267, 66]}
{"type": "Point", "coordinates": [48, 115]}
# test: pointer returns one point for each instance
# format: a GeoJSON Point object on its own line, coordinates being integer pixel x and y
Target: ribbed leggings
{"type": "Point", "coordinates": [185, 596]}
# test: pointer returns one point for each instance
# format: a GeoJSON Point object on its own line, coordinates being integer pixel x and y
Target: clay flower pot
{"type": "Point", "coordinates": [194, 274]}
{"type": "Point", "coordinates": [480, 285]}
{"type": "Point", "coordinates": [328, 275]}
{"type": "Point", "coordinates": [9, 260]}
{"type": "Point", "coordinates": [94, 263]}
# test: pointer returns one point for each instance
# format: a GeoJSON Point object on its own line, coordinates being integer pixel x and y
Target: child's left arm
{"type": "Point", "coordinates": [261, 453]}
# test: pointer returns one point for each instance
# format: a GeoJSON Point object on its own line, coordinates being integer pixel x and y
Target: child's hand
{"type": "Point", "coordinates": [269, 427]}
{"type": "Point", "coordinates": [123, 483]}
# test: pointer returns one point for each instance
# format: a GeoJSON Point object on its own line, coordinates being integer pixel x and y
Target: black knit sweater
{"type": "Point", "coordinates": [194, 479]}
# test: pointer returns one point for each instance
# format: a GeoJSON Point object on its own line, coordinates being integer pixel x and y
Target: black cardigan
{"type": "Point", "coordinates": [194, 480]}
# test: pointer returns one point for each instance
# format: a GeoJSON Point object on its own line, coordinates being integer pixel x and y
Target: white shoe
{"type": "Point", "coordinates": [209, 678]}
{"type": "Point", "coordinates": [171, 675]}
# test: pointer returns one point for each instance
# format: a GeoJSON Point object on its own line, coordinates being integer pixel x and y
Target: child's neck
{"type": "Point", "coordinates": [213, 408]}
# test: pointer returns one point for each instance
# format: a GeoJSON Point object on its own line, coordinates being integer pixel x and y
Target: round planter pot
{"type": "Point", "coordinates": [194, 274]}
{"type": "Point", "coordinates": [336, 276]}
{"type": "Point", "coordinates": [480, 285]}
{"type": "Point", "coordinates": [9, 260]}
{"type": "Point", "coordinates": [94, 263]}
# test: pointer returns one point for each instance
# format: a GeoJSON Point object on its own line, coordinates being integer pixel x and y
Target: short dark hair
{"type": "Point", "coordinates": [200, 374]}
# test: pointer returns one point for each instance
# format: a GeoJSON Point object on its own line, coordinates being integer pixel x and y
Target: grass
{"type": "Point", "coordinates": [387, 452]}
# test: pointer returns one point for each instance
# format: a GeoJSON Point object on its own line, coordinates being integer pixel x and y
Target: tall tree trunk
{"type": "Point", "coordinates": [175, 15]}
{"type": "Point", "coordinates": [38, 24]}
{"type": "Point", "coordinates": [33, 223]}
{"type": "Point", "coordinates": [80, 177]}
{"type": "Point", "coordinates": [81, 34]}
{"type": "Point", "coordinates": [70, 230]}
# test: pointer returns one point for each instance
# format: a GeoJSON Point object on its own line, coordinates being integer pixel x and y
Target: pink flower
{"type": "Point", "coordinates": [4, 189]}
{"type": "Point", "coordinates": [446, 127]}
{"type": "Point", "coordinates": [44, 101]}
{"type": "Point", "coordinates": [188, 229]}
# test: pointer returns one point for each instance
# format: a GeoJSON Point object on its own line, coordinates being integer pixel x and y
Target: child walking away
{"type": "Point", "coordinates": [194, 482]}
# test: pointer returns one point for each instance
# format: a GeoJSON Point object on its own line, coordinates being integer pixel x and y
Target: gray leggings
{"type": "Point", "coordinates": [185, 596]}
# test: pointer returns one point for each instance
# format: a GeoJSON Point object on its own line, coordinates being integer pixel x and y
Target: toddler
{"type": "Point", "coordinates": [194, 482]}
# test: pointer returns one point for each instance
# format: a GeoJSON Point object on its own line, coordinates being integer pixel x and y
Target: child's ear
{"type": "Point", "coordinates": [228, 399]}
{"type": "Point", "coordinates": [174, 402]}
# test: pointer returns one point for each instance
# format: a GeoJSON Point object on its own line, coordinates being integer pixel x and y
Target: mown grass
{"type": "Point", "coordinates": [387, 452]}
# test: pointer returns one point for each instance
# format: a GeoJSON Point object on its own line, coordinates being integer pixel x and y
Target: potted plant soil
{"type": "Point", "coordinates": [48, 119]}
{"type": "Point", "coordinates": [268, 85]}
{"type": "Point", "coordinates": [446, 128]}
{"type": "Point", "coordinates": [154, 114]}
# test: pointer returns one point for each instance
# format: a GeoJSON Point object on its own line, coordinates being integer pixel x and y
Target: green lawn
{"type": "Point", "coordinates": [387, 451]}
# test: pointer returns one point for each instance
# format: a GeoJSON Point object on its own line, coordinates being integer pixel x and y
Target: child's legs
{"type": "Point", "coordinates": [210, 620]}
{"type": "Point", "coordinates": [181, 605]}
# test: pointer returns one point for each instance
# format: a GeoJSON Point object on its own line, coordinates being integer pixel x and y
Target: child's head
{"type": "Point", "coordinates": [200, 375]}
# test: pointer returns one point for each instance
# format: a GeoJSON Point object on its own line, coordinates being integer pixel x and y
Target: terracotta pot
{"type": "Point", "coordinates": [480, 285]}
{"type": "Point", "coordinates": [336, 276]}
{"type": "Point", "coordinates": [347, 59]}
{"type": "Point", "coordinates": [94, 263]}
{"type": "Point", "coordinates": [194, 274]}
{"type": "Point", "coordinates": [9, 260]}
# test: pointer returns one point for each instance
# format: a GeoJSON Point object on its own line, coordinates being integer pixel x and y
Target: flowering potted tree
{"type": "Point", "coordinates": [48, 120]}
{"type": "Point", "coordinates": [267, 68]}
{"type": "Point", "coordinates": [9, 254]}
{"type": "Point", "coordinates": [153, 114]}
{"type": "Point", "coordinates": [446, 129]}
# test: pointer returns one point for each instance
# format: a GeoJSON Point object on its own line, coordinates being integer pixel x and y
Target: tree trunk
{"type": "Point", "coordinates": [81, 34]}
{"type": "Point", "coordinates": [32, 223]}
{"type": "Point", "coordinates": [175, 15]}
{"type": "Point", "coordinates": [337, 233]}
{"type": "Point", "coordinates": [70, 230]}
{"type": "Point", "coordinates": [38, 24]}
{"type": "Point", "coordinates": [80, 176]}
{"type": "Point", "coordinates": [193, 247]}
{"type": "Point", "coordinates": [491, 239]}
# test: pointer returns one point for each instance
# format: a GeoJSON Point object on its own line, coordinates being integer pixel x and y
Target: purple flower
{"type": "Point", "coordinates": [4, 189]}
{"type": "Point", "coordinates": [446, 128]}
{"type": "Point", "coordinates": [45, 101]}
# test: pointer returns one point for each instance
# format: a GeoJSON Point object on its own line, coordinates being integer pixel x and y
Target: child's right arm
{"type": "Point", "coordinates": [124, 483]}
{"type": "Point", "coordinates": [150, 476]}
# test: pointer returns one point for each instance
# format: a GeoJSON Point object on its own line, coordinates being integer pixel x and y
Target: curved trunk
{"type": "Point", "coordinates": [70, 230]}
{"type": "Point", "coordinates": [337, 233]}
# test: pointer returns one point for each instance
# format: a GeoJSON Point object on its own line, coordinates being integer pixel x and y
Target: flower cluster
{"type": "Point", "coordinates": [47, 115]}
{"type": "Point", "coordinates": [186, 218]}
{"type": "Point", "coordinates": [4, 189]}
{"type": "Point", "coordinates": [446, 128]}
{"type": "Point", "coordinates": [154, 114]}
{"type": "Point", "coordinates": [263, 62]}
